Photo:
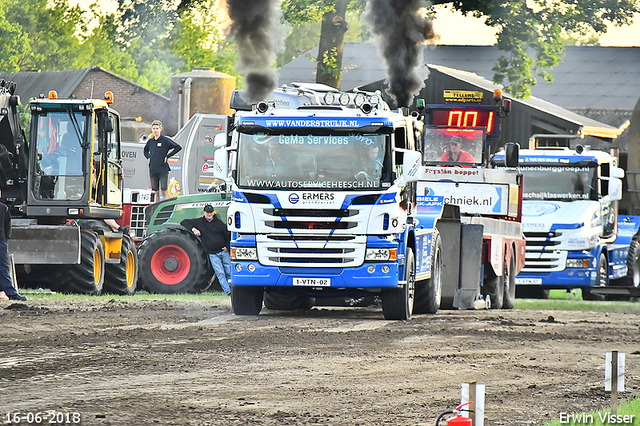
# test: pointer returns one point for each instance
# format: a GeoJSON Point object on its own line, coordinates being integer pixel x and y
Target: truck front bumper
{"type": "Point", "coordinates": [569, 278]}
{"type": "Point", "coordinates": [368, 275]}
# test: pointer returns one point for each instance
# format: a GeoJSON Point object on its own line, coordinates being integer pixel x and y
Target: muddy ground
{"type": "Point", "coordinates": [136, 362]}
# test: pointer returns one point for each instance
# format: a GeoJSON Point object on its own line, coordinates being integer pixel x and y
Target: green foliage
{"type": "Point", "coordinates": [103, 52]}
{"type": "Point", "coordinates": [304, 37]}
{"type": "Point", "coordinates": [197, 40]}
{"type": "Point", "coordinates": [301, 39]}
{"type": "Point", "coordinates": [14, 41]}
{"type": "Point", "coordinates": [297, 12]}
{"type": "Point", "coordinates": [531, 33]}
{"type": "Point", "coordinates": [581, 40]}
{"type": "Point", "coordinates": [145, 41]}
{"type": "Point", "coordinates": [49, 30]}
{"type": "Point", "coordinates": [330, 63]}
{"type": "Point", "coordinates": [572, 301]}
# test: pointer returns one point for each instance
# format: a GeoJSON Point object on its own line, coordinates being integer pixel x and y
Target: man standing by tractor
{"type": "Point", "coordinates": [6, 283]}
{"type": "Point", "coordinates": [158, 150]}
{"type": "Point", "coordinates": [215, 238]}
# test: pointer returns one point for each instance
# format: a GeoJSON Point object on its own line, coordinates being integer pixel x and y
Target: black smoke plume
{"type": "Point", "coordinates": [259, 35]}
{"type": "Point", "coordinates": [400, 32]}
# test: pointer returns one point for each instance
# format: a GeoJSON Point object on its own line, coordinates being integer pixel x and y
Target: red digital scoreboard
{"type": "Point", "coordinates": [466, 116]}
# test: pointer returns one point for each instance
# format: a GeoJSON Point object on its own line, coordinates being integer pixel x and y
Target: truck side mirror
{"type": "Point", "coordinates": [511, 154]}
{"type": "Point", "coordinates": [220, 140]}
{"type": "Point", "coordinates": [614, 190]}
{"type": "Point", "coordinates": [221, 163]}
{"type": "Point", "coordinates": [411, 163]}
{"type": "Point", "coordinates": [617, 172]}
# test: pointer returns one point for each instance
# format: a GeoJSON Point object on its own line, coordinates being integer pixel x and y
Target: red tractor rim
{"type": "Point", "coordinates": [158, 265]}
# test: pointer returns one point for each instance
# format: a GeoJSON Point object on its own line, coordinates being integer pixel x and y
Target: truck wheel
{"type": "Point", "coordinates": [88, 276]}
{"type": "Point", "coordinates": [429, 292]}
{"type": "Point", "coordinates": [397, 303]}
{"type": "Point", "coordinates": [173, 261]}
{"type": "Point", "coordinates": [509, 299]}
{"type": "Point", "coordinates": [633, 264]}
{"type": "Point", "coordinates": [602, 280]}
{"type": "Point", "coordinates": [287, 302]}
{"type": "Point", "coordinates": [494, 288]}
{"type": "Point", "coordinates": [122, 278]}
{"type": "Point", "coordinates": [246, 300]}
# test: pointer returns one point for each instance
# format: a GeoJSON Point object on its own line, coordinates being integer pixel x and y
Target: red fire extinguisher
{"type": "Point", "coordinates": [458, 420]}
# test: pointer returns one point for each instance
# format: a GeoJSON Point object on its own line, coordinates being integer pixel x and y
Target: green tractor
{"type": "Point", "coordinates": [171, 258]}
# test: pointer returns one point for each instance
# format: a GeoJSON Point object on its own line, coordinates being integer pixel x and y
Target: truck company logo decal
{"type": "Point", "coordinates": [387, 199]}
{"type": "Point", "coordinates": [201, 205]}
{"type": "Point", "coordinates": [323, 123]}
{"type": "Point", "coordinates": [318, 196]}
{"type": "Point", "coordinates": [427, 204]}
{"type": "Point", "coordinates": [312, 198]}
{"type": "Point", "coordinates": [539, 209]}
{"type": "Point", "coordinates": [312, 123]}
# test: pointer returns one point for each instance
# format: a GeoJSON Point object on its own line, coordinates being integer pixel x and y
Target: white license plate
{"type": "Point", "coordinates": [312, 282]}
{"type": "Point", "coordinates": [528, 281]}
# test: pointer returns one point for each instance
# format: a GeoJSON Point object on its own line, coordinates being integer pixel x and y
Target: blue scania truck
{"type": "Point", "coordinates": [325, 206]}
{"type": "Point", "coordinates": [575, 237]}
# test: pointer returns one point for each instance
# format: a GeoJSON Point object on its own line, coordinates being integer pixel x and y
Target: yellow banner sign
{"type": "Point", "coordinates": [465, 96]}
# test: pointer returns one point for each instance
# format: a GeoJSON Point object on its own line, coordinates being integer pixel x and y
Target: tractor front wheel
{"type": "Point", "coordinates": [173, 261]}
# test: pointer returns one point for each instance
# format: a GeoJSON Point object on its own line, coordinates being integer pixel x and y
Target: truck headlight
{"type": "Point", "coordinates": [577, 263]}
{"type": "Point", "coordinates": [244, 253]}
{"type": "Point", "coordinates": [380, 254]}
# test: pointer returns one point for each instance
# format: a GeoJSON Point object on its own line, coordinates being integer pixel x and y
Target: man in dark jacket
{"type": "Point", "coordinates": [6, 283]}
{"type": "Point", "coordinates": [158, 150]}
{"type": "Point", "coordinates": [215, 238]}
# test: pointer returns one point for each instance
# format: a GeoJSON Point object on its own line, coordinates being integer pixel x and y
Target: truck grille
{"type": "Point", "coordinates": [311, 219]}
{"type": "Point", "coordinates": [311, 250]}
{"type": "Point", "coordinates": [541, 255]}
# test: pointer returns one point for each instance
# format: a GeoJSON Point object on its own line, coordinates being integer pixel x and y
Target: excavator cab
{"type": "Point", "coordinates": [75, 168]}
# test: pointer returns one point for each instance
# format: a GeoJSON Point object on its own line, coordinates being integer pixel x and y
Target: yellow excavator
{"type": "Point", "coordinates": [60, 185]}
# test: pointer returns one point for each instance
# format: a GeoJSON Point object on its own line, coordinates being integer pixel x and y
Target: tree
{"type": "Point", "coordinates": [49, 30]}
{"type": "Point", "coordinates": [165, 38]}
{"type": "Point", "coordinates": [13, 41]}
{"type": "Point", "coordinates": [333, 15]}
{"type": "Point", "coordinates": [104, 52]}
{"type": "Point", "coordinates": [531, 33]}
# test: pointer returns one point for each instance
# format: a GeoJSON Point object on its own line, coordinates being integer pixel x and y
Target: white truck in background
{"type": "Point", "coordinates": [575, 237]}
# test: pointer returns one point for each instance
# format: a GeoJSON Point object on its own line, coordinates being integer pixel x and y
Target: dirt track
{"type": "Point", "coordinates": [161, 362]}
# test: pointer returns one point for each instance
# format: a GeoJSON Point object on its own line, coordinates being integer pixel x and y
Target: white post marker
{"type": "Point", "coordinates": [475, 393]}
{"type": "Point", "coordinates": [614, 377]}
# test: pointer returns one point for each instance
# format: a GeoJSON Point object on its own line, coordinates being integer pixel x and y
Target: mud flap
{"type": "Point", "coordinates": [45, 244]}
{"type": "Point", "coordinates": [470, 267]}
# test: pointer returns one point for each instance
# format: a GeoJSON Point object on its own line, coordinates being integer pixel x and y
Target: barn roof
{"type": "Point", "coordinates": [588, 77]}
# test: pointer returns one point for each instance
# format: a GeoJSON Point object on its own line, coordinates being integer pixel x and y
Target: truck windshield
{"type": "Point", "coordinates": [452, 145]}
{"type": "Point", "coordinates": [58, 156]}
{"type": "Point", "coordinates": [565, 183]}
{"type": "Point", "coordinates": [339, 161]}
